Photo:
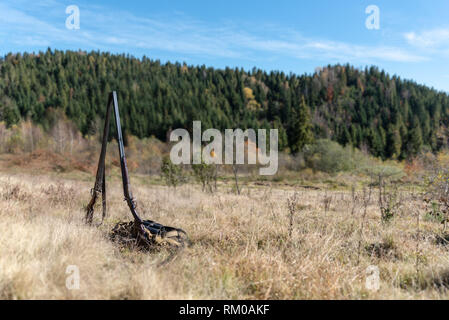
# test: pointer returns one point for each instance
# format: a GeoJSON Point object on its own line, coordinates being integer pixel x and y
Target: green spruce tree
{"type": "Point", "coordinates": [300, 128]}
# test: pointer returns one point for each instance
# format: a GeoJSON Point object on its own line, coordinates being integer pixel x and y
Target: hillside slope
{"type": "Point", "coordinates": [390, 117]}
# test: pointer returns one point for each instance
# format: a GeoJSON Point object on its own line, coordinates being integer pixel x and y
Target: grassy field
{"type": "Point", "coordinates": [252, 246]}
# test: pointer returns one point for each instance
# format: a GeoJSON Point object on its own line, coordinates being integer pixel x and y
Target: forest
{"type": "Point", "coordinates": [389, 117]}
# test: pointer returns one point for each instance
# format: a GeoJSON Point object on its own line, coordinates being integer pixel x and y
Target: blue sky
{"type": "Point", "coordinates": [292, 36]}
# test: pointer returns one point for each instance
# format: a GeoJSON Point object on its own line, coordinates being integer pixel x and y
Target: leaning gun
{"type": "Point", "coordinates": [144, 232]}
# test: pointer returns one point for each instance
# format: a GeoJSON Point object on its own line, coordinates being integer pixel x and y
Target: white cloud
{"type": "Point", "coordinates": [437, 38]}
{"type": "Point", "coordinates": [115, 40]}
{"type": "Point", "coordinates": [306, 48]}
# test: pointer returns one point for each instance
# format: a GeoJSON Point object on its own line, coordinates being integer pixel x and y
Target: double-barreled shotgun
{"type": "Point", "coordinates": [147, 230]}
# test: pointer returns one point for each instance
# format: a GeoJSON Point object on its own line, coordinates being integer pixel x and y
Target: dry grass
{"type": "Point", "coordinates": [242, 247]}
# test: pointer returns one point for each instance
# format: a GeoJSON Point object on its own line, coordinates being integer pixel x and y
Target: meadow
{"type": "Point", "coordinates": [273, 241]}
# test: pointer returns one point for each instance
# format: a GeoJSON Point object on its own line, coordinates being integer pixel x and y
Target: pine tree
{"type": "Point", "coordinates": [300, 128]}
{"type": "Point", "coordinates": [415, 140]}
{"type": "Point", "coordinates": [344, 136]}
{"type": "Point", "coordinates": [394, 143]}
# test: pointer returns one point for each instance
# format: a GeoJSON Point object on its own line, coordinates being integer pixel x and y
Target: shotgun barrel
{"type": "Point", "coordinates": [125, 177]}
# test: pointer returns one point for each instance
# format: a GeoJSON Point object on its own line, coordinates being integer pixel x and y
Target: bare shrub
{"type": "Point", "coordinates": [13, 192]}
{"type": "Point", "coordinates": [327, 201]}
{"type": "Point", "coordinates": [292, 203]}
{"type": "Point", "coordinates": [355, 198]}
{"type": "Point", "coordinates": [390, 201]}
{"type": "Point", "coordinates": [60, 194]}
{"type": "Point", "coordinates": [366, 201]}
{"type": "Point", "coordinates": [437, 194]}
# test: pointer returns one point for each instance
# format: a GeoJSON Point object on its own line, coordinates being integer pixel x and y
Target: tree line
{"type": "Point", "coordinates": [368, 109]}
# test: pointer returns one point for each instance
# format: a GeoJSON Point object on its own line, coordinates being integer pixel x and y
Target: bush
{"type": "Point", "coordinates": [437, 193]}
{"type": "Point", "coordinates": [328, 156]}
{"type": "Point", "coordinates": [205, 174]}
{"type": "Point", "coordinates": [172, 174]}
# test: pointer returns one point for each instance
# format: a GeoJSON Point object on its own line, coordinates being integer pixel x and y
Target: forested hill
{"type": "Point", "coordinates": [391, 117]}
